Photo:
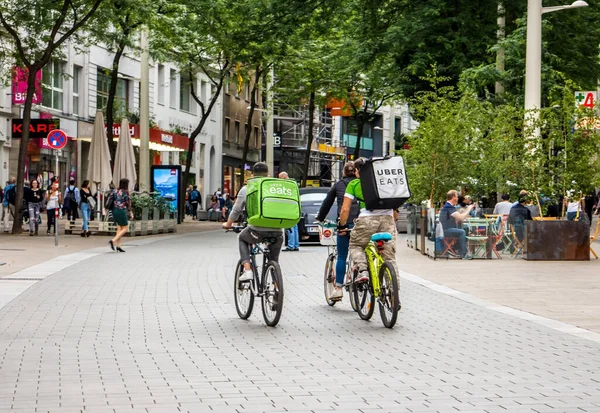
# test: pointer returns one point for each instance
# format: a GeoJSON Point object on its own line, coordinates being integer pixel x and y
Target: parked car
{"type": "Point", "coordinates": [311, 200]}
{"type": "Point", "coordinates": [402, 221]}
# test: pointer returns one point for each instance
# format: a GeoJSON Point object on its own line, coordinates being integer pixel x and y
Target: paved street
{"type": "Point", "coordinates": [155, 330]}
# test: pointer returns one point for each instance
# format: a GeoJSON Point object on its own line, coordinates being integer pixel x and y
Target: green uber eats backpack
{"type": "Point", "coordinates": [273, 203]}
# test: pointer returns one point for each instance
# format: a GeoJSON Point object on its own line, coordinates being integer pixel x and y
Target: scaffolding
{"type": "Point", "coordinates": [291, 126]}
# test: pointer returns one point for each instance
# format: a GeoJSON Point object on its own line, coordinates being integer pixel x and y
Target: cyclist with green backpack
{"type": "Point", "coordinates": [271, 205]}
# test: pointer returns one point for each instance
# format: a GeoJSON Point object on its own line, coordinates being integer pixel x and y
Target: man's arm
{"type": "Point", "coordinates": [327, 203]}
{"type": "Point", "coordinates": [345, 210]}
{"type": "Point", "coordinates": [461, 216]}
{"type": "Point", "coordinates": [238, 208]}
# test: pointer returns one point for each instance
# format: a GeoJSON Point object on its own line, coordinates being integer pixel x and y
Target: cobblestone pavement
{"type": "Point", "coordinates": [155, 330]}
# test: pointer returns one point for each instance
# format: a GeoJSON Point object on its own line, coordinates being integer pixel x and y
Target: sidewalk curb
{"type": "Point", "coordinates": [543, 321]}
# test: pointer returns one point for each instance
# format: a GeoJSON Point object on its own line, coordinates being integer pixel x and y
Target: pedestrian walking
{"type": "Point", "coordinates": [71, 201]}
{"type": "Point", "coordinates": [293, 235]}
{"type": "Point", "coordinates": [195, 201]}
{"type": "Point", "coordinates": [87, 204]}
{"type": "Point", "coordinates": [121, 211]}
{"type": "Point", "coordinates": [35, 201]}
{"type": "Point", "coordinates": [8, 203]}
{"type": "Point", "coordinates": [53, 201]}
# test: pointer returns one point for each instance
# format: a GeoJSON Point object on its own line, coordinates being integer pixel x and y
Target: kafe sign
{"type": "Point", "coordinates": [38, 128]}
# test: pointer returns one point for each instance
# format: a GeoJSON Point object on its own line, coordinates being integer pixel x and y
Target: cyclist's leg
{"type": "Point", "coordinates": [343, 243]}
{"type": "Point", "coordinates": [359, 238]}
{"type": "Point", "coordinates": [275, 248]}
{"type": "Point", "coordinates": [246, 239]}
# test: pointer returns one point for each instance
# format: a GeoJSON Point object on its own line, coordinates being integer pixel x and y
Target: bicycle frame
{"type": "Point", "coordinates": [375, 261]}
{"type": "Point", "coordinates": [257, 287]}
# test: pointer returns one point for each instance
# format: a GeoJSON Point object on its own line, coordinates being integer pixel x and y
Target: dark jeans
{"type": "Point", "coordinates": [343, 243]}
{"type": "Point", "coordinates": [194, 209]}
{"type": "Point", "coordinates": [462, 239]}
{"type": "Point", "coordinates": [51, 220]}
{"type": "Point", "coordinates": [72, 213]}
{"type": "Point", "coordinates": [249, 237]}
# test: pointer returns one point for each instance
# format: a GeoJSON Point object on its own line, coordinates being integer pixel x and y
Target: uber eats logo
{"type": "Point", "coordinates": [279, 189]}
{"type": "Point", "coordinates": [390, 176]}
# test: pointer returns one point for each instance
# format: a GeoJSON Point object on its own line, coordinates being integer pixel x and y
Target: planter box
{"type": "Point", "coordinates": [557, 241]}
{"type": "Point", "coordinates": [143, 227]}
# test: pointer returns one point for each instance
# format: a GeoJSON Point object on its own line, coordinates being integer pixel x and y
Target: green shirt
{"type": "Point", "coordinates": [354, 191]}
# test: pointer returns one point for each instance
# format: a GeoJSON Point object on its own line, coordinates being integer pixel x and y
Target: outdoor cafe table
{"type": "Point", "coordinates": [479, 236]}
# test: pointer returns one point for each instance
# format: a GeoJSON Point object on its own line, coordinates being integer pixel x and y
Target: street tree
{"type": "Point", "coordinates": [116, 26]}
{"type": "Point", "coordinates": [38, 29]}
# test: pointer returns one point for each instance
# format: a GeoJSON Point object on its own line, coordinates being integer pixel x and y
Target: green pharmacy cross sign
{"type": "Point", "coordinates": [585, 99]}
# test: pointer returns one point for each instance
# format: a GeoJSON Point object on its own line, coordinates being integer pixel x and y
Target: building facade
{"type": "Point", "coordinates": [76, 86]}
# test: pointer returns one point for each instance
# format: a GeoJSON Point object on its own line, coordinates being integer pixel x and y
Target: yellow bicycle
{"type": "Point", "coordinates": [382, 284]}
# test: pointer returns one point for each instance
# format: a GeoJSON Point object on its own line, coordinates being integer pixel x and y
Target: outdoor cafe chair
{"type": "Point", "coordinates": [518, 245]}
{"type": "Point", "coordinates": [593, 238]}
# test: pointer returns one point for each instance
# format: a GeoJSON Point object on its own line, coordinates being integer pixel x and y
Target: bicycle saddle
{"type": "Point", "coordinates": [381, 236]}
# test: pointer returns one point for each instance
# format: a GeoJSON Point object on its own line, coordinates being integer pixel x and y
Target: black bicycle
{"type": "Point", "coordinates": [268, 286]}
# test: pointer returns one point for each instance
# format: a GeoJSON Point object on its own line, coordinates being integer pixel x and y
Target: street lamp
{"type": "Point", "coordinates": [533, 60]}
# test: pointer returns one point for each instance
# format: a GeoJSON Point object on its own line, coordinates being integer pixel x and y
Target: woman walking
{"type": "Point", "coordinates": [87, 205]}
{"type": "Point", "coordinates": [121, 210]}
{"type": "Point", "coordinates": [34, 199]}
{"type": "Point", "coordinates": [54, 199]}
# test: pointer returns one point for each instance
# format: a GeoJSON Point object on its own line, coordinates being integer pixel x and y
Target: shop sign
{"type": "Point", "coordinates": [19, 86]}
{"type": "Point", "coordinates": [166, 138]}
{"type": "Point", "coordinates": [38, 128]}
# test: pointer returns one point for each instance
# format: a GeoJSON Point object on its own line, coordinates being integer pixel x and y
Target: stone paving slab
{"type": "Point", "coordinates": [155, 330]}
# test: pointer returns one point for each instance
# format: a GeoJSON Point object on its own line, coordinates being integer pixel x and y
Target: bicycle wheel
{"type": "Point", "coordinates": [272, 299]}
{"type": "Point", "coordinates": [389, 302]}
{"type": "Point", "coordinates": [329, 279]}
{"type": "Point", "coordinates": [244, 298]}
{"type": "Point", "coordinates": [364, 300]}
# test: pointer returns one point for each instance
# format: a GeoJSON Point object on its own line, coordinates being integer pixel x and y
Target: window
{"type": "Point", "coordinates": [256, 142]}
{"type": "Point", "coordinates": [203, 97]}
{"type": "Point", "coordinates": [236, 132]}
{"type": "Point", "coordinates": [226, 85]}
{"type": "Point", "coordinates": [185, 91]}
{"type": "Point", "coordinates": [173, 89]}
{"type": "Point", "coordinates": [226, 129]}
{"type": "Point", "coordinates": [52, 85]}
{"type": "Point", "coordinates": [76, 86]}
{"type": "Point", "coordinates": [246, 92]}
{"type": "Point", "coordinates": [161, 85]}
{"type": "Point", "coordinates": [397, 125]}
{"type": "Point", "coordinates": [121, 104]}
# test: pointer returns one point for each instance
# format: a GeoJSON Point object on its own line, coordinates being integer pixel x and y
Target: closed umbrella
{"type": "Point", "coordinates": [125, 157]}
{"type": "Point", "coordinates": [99, 158]}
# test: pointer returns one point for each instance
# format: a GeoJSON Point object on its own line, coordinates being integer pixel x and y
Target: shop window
{"type": "Point", "coordinates": [161, 85]}
{"type": "Point", "coordinates": [121, 103]}
{"type": "Point", "coordinates": [236, 132]}
{"type": "Point", "coordinates": [173, 89]}
{"type": "Point", "coordinates": [52, 85]}
{"type": "Point", "coordinates": [76, 86]}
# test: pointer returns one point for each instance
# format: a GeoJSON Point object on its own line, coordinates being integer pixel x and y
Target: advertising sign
{"type": "Point", "coordinates": [166, 180]}
{"type": "Point", "coordinates": [19, 86]}
{"type": "Point", "coordinates": [585, 99]}
{"type": "Point", "coordinates": [38, 128]}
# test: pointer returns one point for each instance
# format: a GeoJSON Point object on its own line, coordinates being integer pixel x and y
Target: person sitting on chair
{"type": "Point", "coordinates": [518, 215]}
{"type": "Point", "coordinates": [450, 218]}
